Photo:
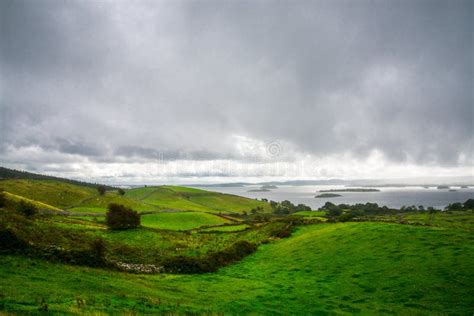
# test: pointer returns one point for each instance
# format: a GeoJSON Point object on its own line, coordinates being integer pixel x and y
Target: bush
{"type": "Point", "coordinates": [283, 231]}
{"type": "Point", "coordinates": [212, 262]}
{"type": "Point", "coordinates": [120, 217]}
{"type": "Point", "coordinates": [9, 241]}
{"type": "Point", "coordinates": [98, 248]}
{"type": "Point", "coordinates": [121, 191]}
{"type": "Point", "coordinates": [101, 189]}
{"type": "Point", "coordinates": [182, 264]}
{"type": "Point", "coordinates": [469, 204]}
{"type": "Point", "coordinates": [346, 217]}
{"type": "Point", "coordinates": [3, 198]}
{"type": "Point", "coordinates": [26, 208]}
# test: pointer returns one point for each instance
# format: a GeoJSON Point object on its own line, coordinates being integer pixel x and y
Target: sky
{"type": "Point", "coordinates": [223, 91]}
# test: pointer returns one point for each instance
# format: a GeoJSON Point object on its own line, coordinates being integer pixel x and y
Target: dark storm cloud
{"type": "Point", "coordinates": [179, 80]}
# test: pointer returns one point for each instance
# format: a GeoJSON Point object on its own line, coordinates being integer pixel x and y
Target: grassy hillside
{"type": "Point", "coordinates": [57, 194]}
{"type": "Point", "coordinates": [41, 206]}
{"type": "Point", "coordinates": [6, 173]}
{"type": "Point", "coordinates": [183, 198]}
{"type": "Point", "coordinates": [371, 268]}
{"type": "Point", "coordinates": [75, 198]}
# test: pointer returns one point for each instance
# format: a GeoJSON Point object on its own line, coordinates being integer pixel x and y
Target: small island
{"type": "Point", "coordinates": [442, 187]}
{"type": "Point", "coordinates": [351, 190]}
{"type": "Point", "coordinates": [269, 186]}
{"type": "Point", "coordinates": [327, 195]}
{"type": "Point", "coordinates": [259, 190]}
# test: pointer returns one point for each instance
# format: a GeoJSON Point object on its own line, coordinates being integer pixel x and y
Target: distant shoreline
{"type": "Point", "coordinates": [351, 190]}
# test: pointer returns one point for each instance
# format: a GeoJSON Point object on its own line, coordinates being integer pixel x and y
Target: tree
{"type": "Point", "coordinates": [120, 217]}
{"type": "Point", "coordinates": [26, 208]}
{"type": "Point", "coordinates": [334, 211]}
{"type": "Point", "coordinates": [454, 207]}
{"type": "Point", "coordinates": [469, 204]}
{"type": "Point", "coordinates": [101, 189]}
{"type": "Point", "coordinates": [302, 207]}
{"type": "Point", "coordinates": [121, 191]}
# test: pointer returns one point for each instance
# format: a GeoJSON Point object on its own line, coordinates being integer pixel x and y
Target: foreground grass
{"type": "Point", "coordinates": [372, 268]}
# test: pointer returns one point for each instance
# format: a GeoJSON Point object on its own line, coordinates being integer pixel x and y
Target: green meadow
{"type": "Point", "coordinates": [181, 220]}
{"type": "Point", "coordinates": [326, 268]}
{"type": "Point", "coordinates": [237, 256]}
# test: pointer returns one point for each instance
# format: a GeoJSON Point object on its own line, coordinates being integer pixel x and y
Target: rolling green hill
{"type": "Point", "coordinates": [368, 268]}
{"type": "Point", "coordinates": [184, 198]}
{"type": "Point", "coordinates": [76, 198]}
{"type": "Point", "coordinates": [6, 173]}
{"type": "Point", "coordinates": [55, 193]}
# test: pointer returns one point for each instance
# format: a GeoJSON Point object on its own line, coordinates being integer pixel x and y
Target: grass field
{"type": "Point", "coordinates": [310, 213]}
{"type": "Point", "coordinates": [225, 228]}
{"type": "Point", "coordinates": [181, 220]}
{"type": "Point", "coordinates": [371, 268]}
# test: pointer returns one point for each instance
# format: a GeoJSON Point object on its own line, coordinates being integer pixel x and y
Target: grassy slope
{"type": "Point", "coordinates": [183, 198]}
{"type": "Point", "coordinates": [57, 194]}
{"type": "Point", "coordinates": [76, 198]}
{"type": "Point", "coordinates": [98, 204]}
{"type": "Point", "coordinates": [352, 267]}
{"type": "Point", "coordinates": [181, 220]}
{"type": "Point", "coordinates": [42, 206]}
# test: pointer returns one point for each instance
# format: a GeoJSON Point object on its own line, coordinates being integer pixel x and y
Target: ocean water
{"type": "Point", "coordinates": [394, 197]}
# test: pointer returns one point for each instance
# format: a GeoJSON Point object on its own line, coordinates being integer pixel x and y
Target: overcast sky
{"type": "Point", "coordinates": [209, 91]}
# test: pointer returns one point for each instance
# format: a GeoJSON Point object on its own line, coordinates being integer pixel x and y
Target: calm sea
{"type": "Point", "coordinates": [390, 196]}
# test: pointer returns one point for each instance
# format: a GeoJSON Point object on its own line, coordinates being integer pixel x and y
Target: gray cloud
{"type": "Point", "coordinates": [109, 81]}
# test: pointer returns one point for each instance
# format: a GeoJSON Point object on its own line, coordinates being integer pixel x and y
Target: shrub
{"type": "Point", "coordinates": [120, 217]}
{"type": "Point", "coordinates": [182, 264]}
{"type": "Point", "coordinates": [346, 217]}
{"type": "Point", "coordinates": [121, 191]}
{"type": "Point", "coordinates": [98, 248]}
{"type": "Point", "coordinates": [283, 231]}
{"type": "Point", "coordinates": [3, 198]}
{"type": "Point", "coordinates": [211, 262]}
{"type": "Point", "coordinates": [9, 241]}
{"type": "Point", "coordinates": [469, 204]}
{"type": "Point", "coordinates": [26, 208]}
{"type": "Point", "coordinates": [101, 189]}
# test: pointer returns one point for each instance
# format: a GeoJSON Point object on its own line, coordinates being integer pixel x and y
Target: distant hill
{"type": "Point", "coordinates": [82, 197]}
{"type": "Point", "coordinates": [6, 173]}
